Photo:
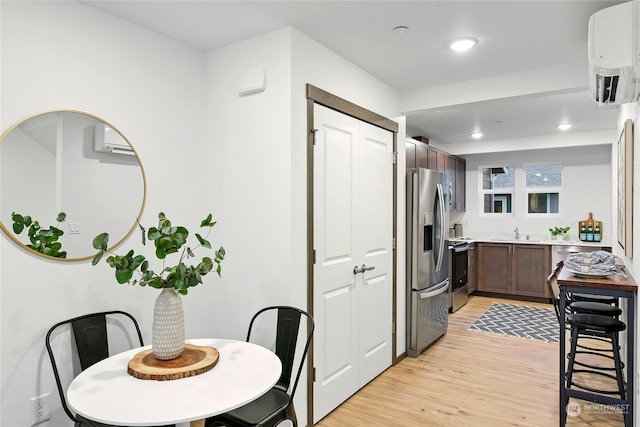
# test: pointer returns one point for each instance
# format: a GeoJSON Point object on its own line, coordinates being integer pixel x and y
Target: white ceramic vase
{"type": "Point", "coordinates": [168, 325]}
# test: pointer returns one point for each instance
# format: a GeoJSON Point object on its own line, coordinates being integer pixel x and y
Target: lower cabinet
{"type": "Point", "coordinates": [531, 266]}
{"type": "Point", "coordinates": [494, 267]}
{"type": "Point", "coordinates": [513, 269]}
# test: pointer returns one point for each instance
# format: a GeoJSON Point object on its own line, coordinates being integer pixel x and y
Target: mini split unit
{"type": "Point", "coordinates": [107, 140]}
{"type": "Point", "coordinates": [614, 56]}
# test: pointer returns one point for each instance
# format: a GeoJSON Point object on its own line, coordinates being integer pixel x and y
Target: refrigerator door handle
{"type": "Point", "coordinates": [414, 230]}
{"type": "Point", "coordinates": [442, 227]}
{"type": "Point", "coordinates": [433, 291]}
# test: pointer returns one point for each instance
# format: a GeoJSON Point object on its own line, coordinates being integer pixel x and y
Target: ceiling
{"type": "Point", "coordinates": [514, 36]}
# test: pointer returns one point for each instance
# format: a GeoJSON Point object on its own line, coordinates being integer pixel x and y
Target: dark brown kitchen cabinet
{"type": "Point", "coordinates": [494, 267]}
{"type": "Point", "coordinates": [417, 154]}
{"type": "Point", "coordinates": [437, 159]}
{"type": "Point", "coordinates": [461, 184]}
{"type": "Point", "coordinates": [530, 268]}
{"type": "Point", "coordinates": [513, 269]}
{"type": "Point", "coordinates": [456, 176]}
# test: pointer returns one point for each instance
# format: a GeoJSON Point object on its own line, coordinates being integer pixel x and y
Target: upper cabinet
{"type": "Point", "coordinates": [420, 154]}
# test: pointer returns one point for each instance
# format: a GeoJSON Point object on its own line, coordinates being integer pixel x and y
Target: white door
{"type": "Point", "coordinates": [353, 222]}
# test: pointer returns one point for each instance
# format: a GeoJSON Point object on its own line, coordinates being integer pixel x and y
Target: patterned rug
{"type": "Point", "coordinates": [521, 321]}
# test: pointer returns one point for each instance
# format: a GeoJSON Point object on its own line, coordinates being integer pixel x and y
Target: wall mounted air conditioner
{"type": "Point", "coordinates": [614, 57]}
{"type": "Point", "coordinates": [107, 140]}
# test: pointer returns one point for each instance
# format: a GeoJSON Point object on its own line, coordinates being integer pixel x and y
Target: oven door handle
{"type": "Point", "coordinates": [435, 290]}
{"type": "Point", "coordinates": [461, 248]}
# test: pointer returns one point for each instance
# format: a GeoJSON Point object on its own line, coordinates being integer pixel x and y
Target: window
{"type": "Point", "coordinates": [497, 185]}
{"type": "Point", "coordinates": [543, 185]}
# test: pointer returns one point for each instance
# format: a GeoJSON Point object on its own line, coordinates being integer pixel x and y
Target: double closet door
{"type": "Point", "coordinates": [353, 237]}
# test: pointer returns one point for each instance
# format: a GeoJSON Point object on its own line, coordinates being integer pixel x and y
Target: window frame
{"type": "Point", "coordinates": [542, 190]}
{"type": "Point", "coordinates": [482, 192]}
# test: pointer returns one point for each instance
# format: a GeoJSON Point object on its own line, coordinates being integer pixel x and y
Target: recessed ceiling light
{"type": "Point", "coordinates": [401, 29]}
{"type": "Point", "coordinates": [477, 135]}
{"type": "Point", "coordinates": [564, 126]}
{"type": "Point", "coordinates": [463, 44]}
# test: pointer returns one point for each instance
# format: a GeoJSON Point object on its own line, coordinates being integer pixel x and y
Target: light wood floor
{"type": "Point", "coordinates": [468, 378]}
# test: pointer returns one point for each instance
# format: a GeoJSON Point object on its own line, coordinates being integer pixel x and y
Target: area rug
{"type": "Point", "coordinates": [520, 321]}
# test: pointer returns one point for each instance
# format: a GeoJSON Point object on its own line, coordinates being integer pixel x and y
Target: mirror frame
{"type": "Point", "coordinates": [14, 238]}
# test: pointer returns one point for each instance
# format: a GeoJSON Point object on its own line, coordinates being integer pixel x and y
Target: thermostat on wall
{"type": "Point", "coordinates": [252, 81]}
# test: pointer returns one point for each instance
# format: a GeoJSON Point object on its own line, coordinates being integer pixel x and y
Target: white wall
{"type": "Point", "coordinates": [68, 56]}
{"type": "Point", "coordinates": [630, 111]}
{"type": "Point", "coordinates": [586, 187]}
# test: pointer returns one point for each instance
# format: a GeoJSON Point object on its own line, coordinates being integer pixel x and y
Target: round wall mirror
{"type": "Point", "coordinates": [74, 163]}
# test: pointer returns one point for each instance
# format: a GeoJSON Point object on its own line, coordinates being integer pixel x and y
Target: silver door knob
{"type": "Point", "coordinates": [362, 269]}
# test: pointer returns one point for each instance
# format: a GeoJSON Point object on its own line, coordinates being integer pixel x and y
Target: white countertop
{"type": "Point", "coordinates": [530, 241]}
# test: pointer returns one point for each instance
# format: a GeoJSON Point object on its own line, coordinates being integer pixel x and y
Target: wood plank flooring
{"type": "Point", "coordinates": [468, 378]}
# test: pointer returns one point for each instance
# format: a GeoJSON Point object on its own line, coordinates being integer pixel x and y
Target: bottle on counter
{"type": "Point", "coordinates": [597, 236]}
{"type": "Point", "coordinates": [590, 233]}
{"type": "Point", "coordinates": [583, 232]}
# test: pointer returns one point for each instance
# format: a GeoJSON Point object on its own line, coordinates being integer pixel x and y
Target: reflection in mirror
{"type": "Point", "coordinates": [76, 163]}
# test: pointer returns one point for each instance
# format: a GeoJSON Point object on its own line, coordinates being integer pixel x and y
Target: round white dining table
{"type": "Point", "coordinates": [106, 393]}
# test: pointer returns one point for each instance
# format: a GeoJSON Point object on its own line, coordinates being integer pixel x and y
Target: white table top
{"type": "Point", "coordinates": [105, 392]}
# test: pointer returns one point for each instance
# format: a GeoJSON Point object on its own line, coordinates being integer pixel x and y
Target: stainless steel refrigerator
{"type": "Point", "coordinates": [427, 258]}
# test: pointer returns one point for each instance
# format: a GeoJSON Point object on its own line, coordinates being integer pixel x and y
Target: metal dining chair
{"type": "Point", "coordinates": [92, 345]}
{"type": "Point", "coordinates": [276, 405]}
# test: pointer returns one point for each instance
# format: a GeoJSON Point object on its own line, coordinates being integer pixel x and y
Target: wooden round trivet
{"type": "Point", "coordinates": [195, 360]}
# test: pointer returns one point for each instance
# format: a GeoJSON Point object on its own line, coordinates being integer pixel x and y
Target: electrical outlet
{"type": "Point", "coordinates": [40, 408]}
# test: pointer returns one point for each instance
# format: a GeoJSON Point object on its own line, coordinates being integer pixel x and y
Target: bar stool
{"type": "Point", "coordinates": [605, 299]}
{"type": "Point", "coordinates": [585, 337]}
{"type": "Point", "coordinates": [587, 307]}
{"type": "Point", "coordinates": [600, 326]}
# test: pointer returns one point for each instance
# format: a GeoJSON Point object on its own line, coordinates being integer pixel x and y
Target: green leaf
{"type": "Point", "coordinates": [61, 217]}
{"type": "Point", "coordinates": [207, 222]}
{"type": "Point", "coordinates": [203, 242]}
{"type": "Point", "coordinates": [101, 241]}
{"type": "Point", "coordinates": [97, 257]}
{"type": "Point", "coordinates": [179, 236]}
{"type": "Point", "coordinates": [154, 233]}
{"type": "Point", "coordinates": [123, 275]}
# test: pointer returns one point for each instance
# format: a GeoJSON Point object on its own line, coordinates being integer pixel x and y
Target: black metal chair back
{"type": "Point", "coordinates": [287, 329]}
{"type": "Point", "coordinates": [90, 334]}
{"type": "Point", "coordinates": [276, 405]}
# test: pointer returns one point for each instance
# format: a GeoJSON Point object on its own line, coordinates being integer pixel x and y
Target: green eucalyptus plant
{"type": "Point", "coordinates": [43, 240]}
{"type": "Point", "coordinates": [559, 230]}
{"type": "Point", "coordinates": [168, 239]}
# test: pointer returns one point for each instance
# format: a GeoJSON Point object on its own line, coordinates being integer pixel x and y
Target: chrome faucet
{"type": "Point", "coordinates": [517, 233]}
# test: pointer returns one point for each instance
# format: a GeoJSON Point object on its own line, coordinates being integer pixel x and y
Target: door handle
{"type": "Point", "coordinates": [362, 269]}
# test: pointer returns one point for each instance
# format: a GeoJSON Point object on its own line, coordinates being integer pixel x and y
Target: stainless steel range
{"type": "Point", "coordinates": [459, 290]}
